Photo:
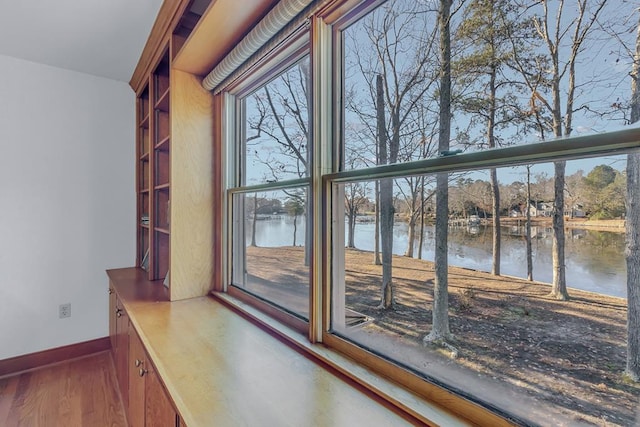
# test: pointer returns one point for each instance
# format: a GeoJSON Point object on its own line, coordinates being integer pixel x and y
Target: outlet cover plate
{"type": "Point", "coordinates": [64, 310]}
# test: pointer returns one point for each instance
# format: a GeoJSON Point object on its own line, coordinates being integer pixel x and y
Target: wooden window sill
{"type": "Point", "coordinates": [389, 391]}
{"type": "Point", "coordinates": [219, 367]}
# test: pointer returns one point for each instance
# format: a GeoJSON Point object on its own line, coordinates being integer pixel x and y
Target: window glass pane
{"type": "Point", "coordinates": [276, 128]}
{"type": "Point", "coordinates": [270, 251]}
{"type": "Point", "coordinates": [503, 89]}
{"type": "Point", "coordinates": [513, 346]}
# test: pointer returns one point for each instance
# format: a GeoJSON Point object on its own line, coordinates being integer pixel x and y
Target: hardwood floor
{"type": "Point", "coordinates": [80, 392]}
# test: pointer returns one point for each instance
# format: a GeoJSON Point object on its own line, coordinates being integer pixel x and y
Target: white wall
{"type": "Point", "coordinates": [67, 202]}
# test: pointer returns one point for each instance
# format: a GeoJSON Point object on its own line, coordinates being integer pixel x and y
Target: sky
{"type": "Point", "coordinates": [602, 81]}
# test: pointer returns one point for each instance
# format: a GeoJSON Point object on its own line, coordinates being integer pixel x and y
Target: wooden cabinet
{"type": "Point", "coordinates": [137, 367]}
{"type": "Point", "coordinates": [158, 408]}
{"type": "Point", "coordinates": [144, 397]}
{"type": "Point", "coordinates": [149, 404]}
{"type": "Point", "coordinates": [121, 349]}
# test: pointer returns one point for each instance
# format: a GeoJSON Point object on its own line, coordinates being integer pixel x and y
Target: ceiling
{"type": "Point", "coordinates": [100, 37]}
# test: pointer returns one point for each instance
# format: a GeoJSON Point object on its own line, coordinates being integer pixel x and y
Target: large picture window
{"type": "Point", "coordinates": [447, 193]}
{"type": "Point", "coordinates": [473, 242]}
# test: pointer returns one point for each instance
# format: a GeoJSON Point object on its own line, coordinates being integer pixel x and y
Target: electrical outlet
{"type": "Point", "coordinates": [64, 310]}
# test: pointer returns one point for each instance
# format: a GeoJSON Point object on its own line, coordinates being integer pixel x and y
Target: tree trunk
{"type": "Point", "coordinates": [528, 228]}
{"type": "Point", "coordinates": [351, 227]}
{"type": "Point", "coordinates": [440, 328]}
{"type": "Point", "coordinates": [559, 284]}
{"type": "Point", "coordinates": [376, 240]}
{"type": "Point", "coordinates": [633, 231]}
{"type": "Point", "coordinates": [421, 240]}
{"type": "Point", "coordinates": [440, 314]}
{"type": "Point", "coordinates": [386, 240]}
{"type": "Point", "coordinates": [411, 234]}
{"type": "Point", "coordinates": [495, 192]}
{"type": "Point", "coordinates": [295, 228]}
{"type": "Point", "coordinates": [386, 203]}
{"type": "Point", "coordinates": [253, 221]}
{"type": "Point", "coordinates": [495, 189]}
{"type": "Point", "coordinates": [633, 266]}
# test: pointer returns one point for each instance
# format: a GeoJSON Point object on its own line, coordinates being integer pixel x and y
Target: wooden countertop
{"type": "Point", "coordinates": [221, 369]}
{"type": "Point", "coordinates": [134, 288]}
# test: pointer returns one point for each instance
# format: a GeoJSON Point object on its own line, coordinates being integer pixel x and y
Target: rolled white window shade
{"type": "Point", "coordinates": [274, 22]}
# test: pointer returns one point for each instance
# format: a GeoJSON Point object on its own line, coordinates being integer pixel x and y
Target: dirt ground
{"type": "Point", "coordinates": [551, 362]}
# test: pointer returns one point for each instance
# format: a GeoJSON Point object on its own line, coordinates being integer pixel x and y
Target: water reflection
{"type": "Point", "coordinates": [595, 259]}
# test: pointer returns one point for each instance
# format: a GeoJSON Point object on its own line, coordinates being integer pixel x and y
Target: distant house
{"type": "Point", "coordinates": [540, 209]}
{"type": "Point", "coordinates": [577, 211]}
{"type": "Point", "coordinates": [473, 220]}
{"type": "Point", "coordinates": [545, 209]}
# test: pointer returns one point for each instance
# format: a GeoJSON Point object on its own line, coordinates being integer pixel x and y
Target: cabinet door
{"type": "Point", "coordinates": [159, 411]}
{"type": "Point", "coordinates": [121, 354]}
{"type": "Point", "coordinates": [137, 371]}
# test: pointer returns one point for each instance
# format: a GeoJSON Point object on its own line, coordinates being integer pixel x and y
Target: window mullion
{"type": "Point", "coordinates": [322, 130]}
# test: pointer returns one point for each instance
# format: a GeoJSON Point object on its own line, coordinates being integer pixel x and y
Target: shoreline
{"type": "Point", "coordinates": [612, 225]}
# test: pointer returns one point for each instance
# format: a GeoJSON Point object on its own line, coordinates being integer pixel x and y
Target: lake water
{"type": "Point", "coordinates": [594, 259]}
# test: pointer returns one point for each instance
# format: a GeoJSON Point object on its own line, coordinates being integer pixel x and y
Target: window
{"type": "Point", "coordinates": [270, 252]}
{"type": "Point", "coordinates": [469, 231]}
{"type": "Point", "coordinates": [269, 202]}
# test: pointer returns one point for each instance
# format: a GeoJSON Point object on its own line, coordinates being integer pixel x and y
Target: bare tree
{"type": "Point", "coordinates": [619, 29]}
{"type": "Point", "coordinates": [419, 145]}
{"type": "Point", "coordinates": [281, 120]}
{"type": "Point", "coordinates": [440, 323]}
{"type": "Point", "coordinates": [553, 33]}
{"type": "Point", "coordinates": [355, 197]}
{"type": "Point", "coordinates": [295, 205]}
{"type": "Point", "coordinates": [633, 229]}
{"type": "Point", "coordinates": [397, 66]}
{"type": "Point", "coordinates": [414, 197]}
{"type": "Point", "coordinates": [278, 115]}
{"type": "Point", "coordinates": [488, 30]}
{"type": "Point", "coordinates": [385, 204]}
{"type": "Point", "coordinates": [423, 202]}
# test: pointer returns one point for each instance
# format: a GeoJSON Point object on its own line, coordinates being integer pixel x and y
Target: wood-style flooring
{"type": "Point", "coordinates": [80, 392]}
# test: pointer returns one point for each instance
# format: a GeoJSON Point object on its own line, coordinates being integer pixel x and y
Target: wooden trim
{"type": "Point", "coordinates": [218, 193]}
{"type": "Point", "coordinates": [192, 202]}
{"type": "Point", "coordinates": [30, 361]}
{"type": "Point", "coordinates": [273, 311]}
{"type": "Point", "coordinates": [169, 13]}
{"type": "Point", "coordinates": [223, 25]}
{"type": "Point", "coordinates": [431, 392]}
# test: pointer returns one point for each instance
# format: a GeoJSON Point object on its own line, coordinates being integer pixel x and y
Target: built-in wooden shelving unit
{"type": "Point", "coordinates": [154, 171]}
{"type": "Point", "coordinates": [174, 151]}
{"type": "Point", "coordinates": [143, 177]}
{"type": "Point", "coordinates": [161, 167]}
